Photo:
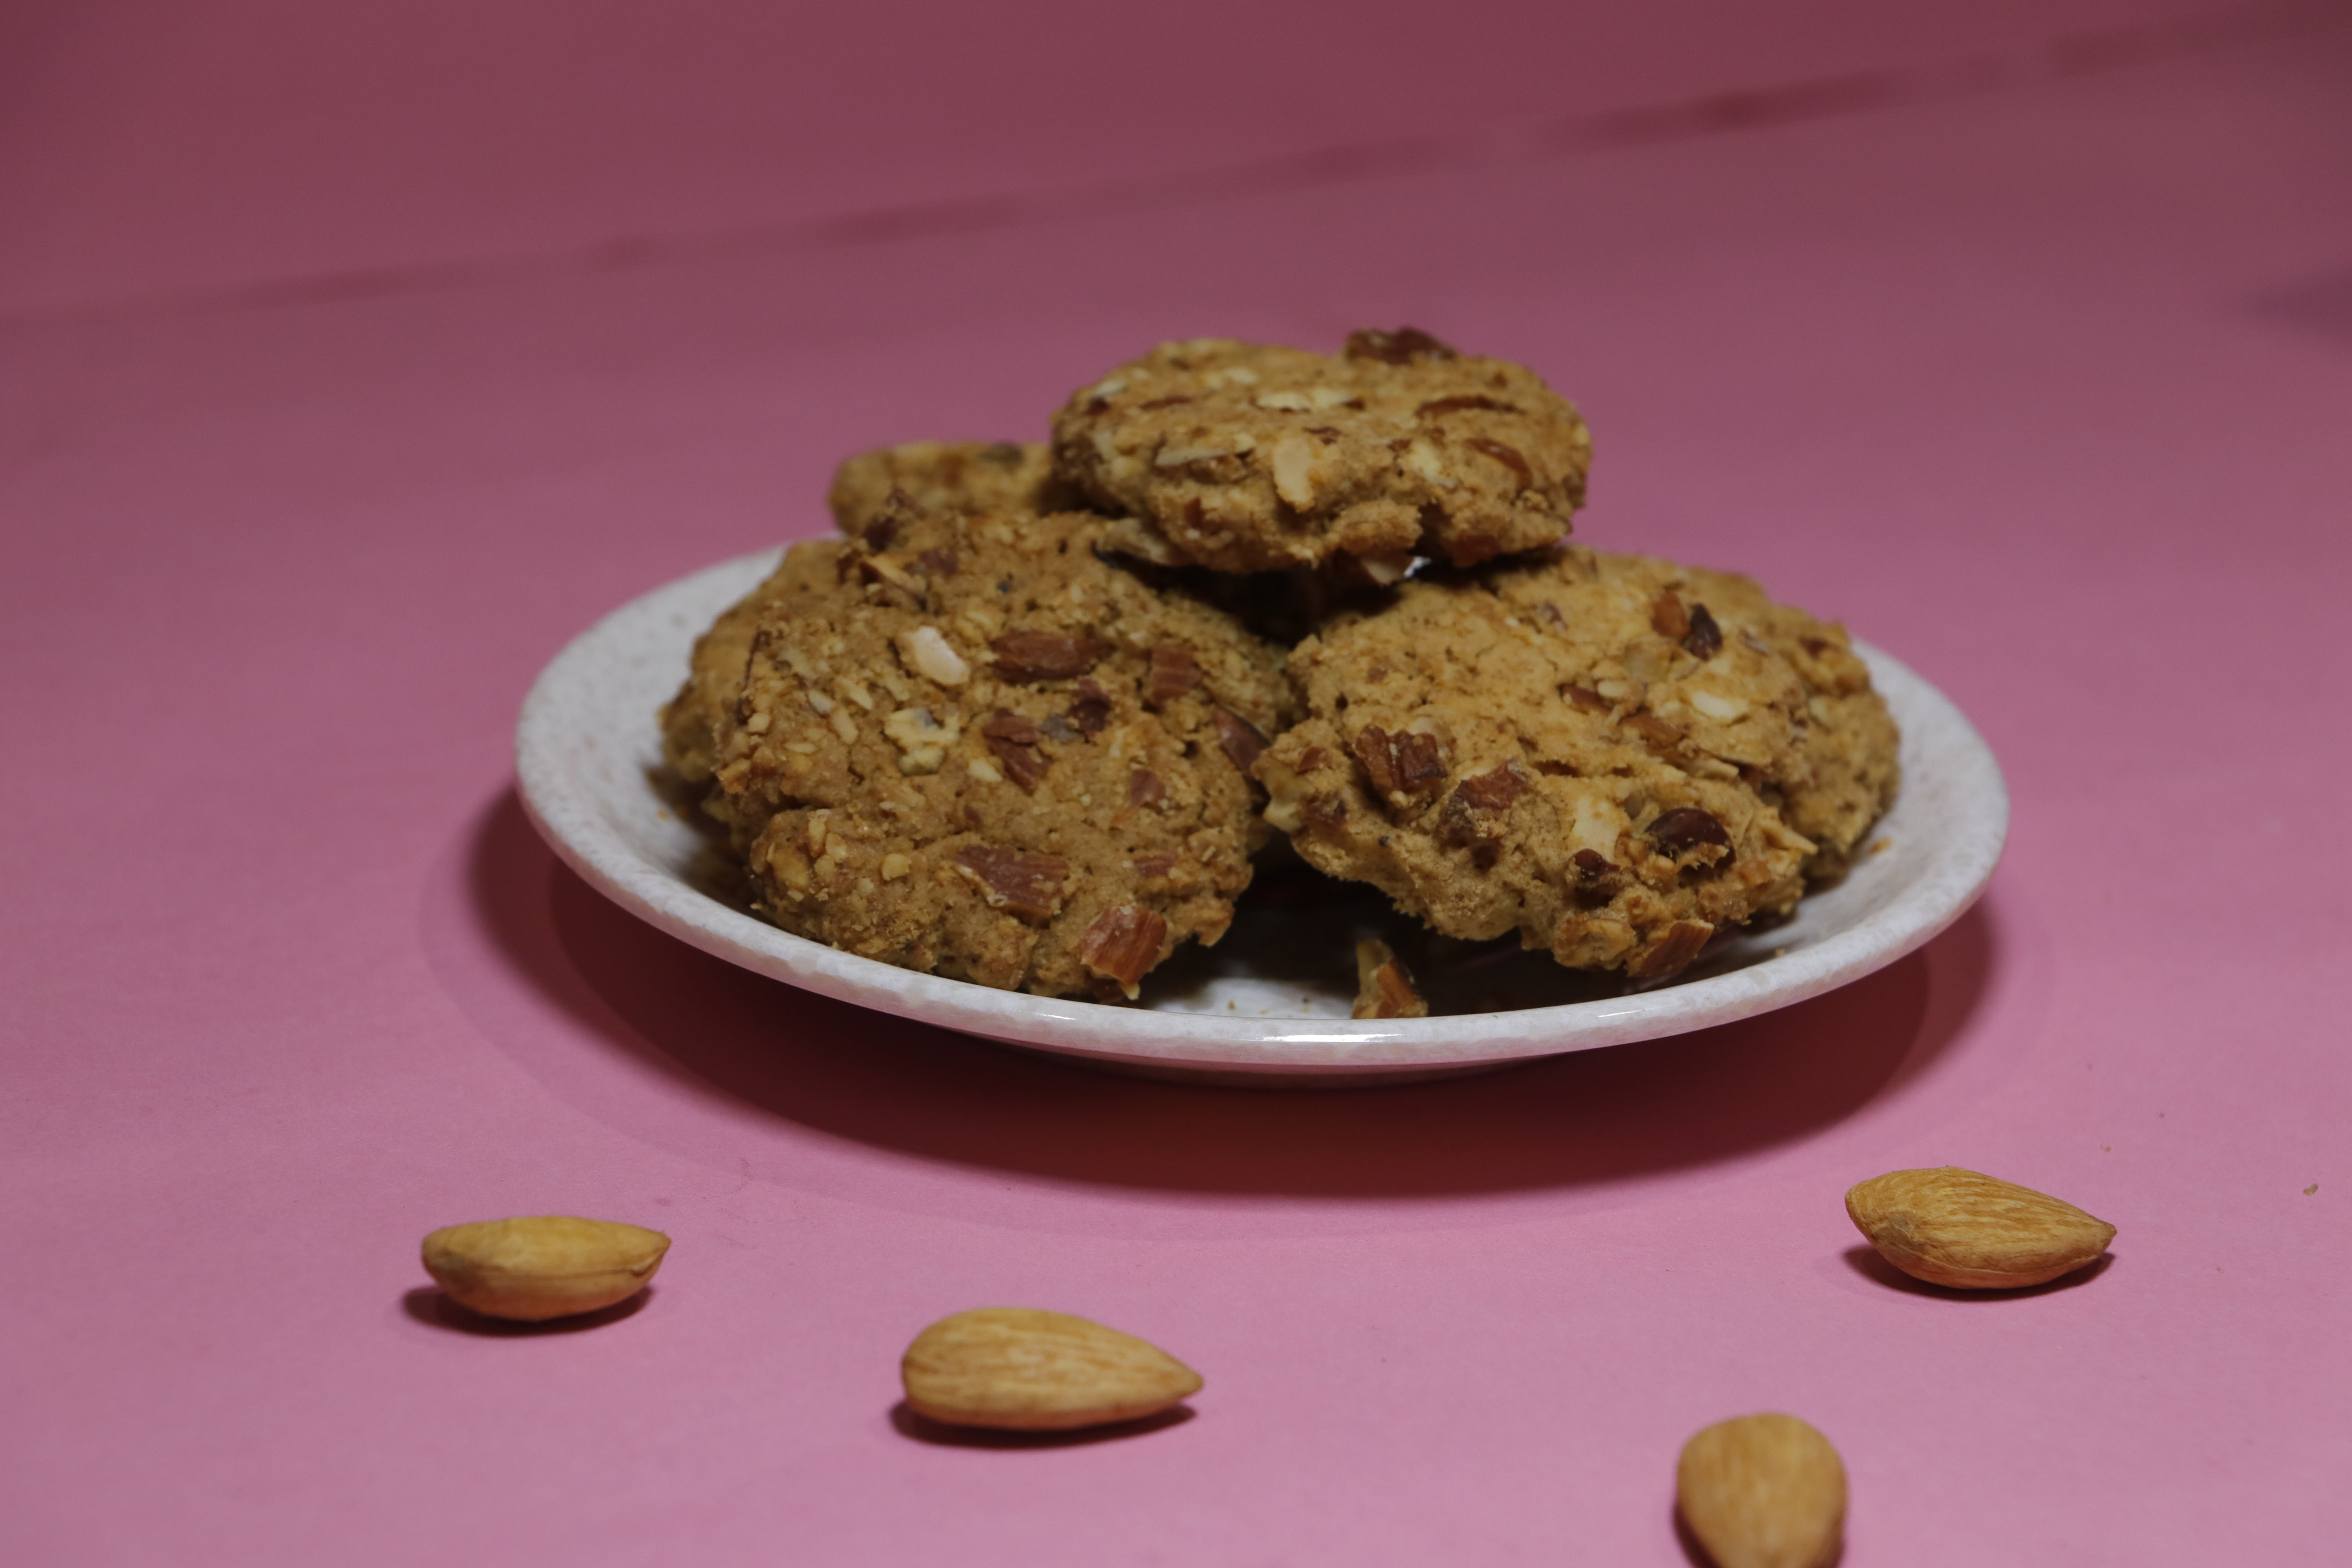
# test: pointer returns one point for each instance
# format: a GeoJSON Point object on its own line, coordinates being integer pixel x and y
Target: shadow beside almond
{"type": "Point", "coordinates": [1865, 1261]}
{"type": "Point", "coordinates": [923, 1429]}
{"type": "Point", "coordinates": [430, 1305]}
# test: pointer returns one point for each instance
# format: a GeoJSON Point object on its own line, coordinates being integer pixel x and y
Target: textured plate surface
{"type": "Point", "coordinates": [1272, 999]}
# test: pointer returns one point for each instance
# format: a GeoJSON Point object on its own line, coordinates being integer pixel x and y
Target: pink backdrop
{"type": "Point", "coordinates": [352, 358]}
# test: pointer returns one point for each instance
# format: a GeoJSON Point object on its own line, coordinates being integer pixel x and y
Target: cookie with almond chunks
{"type": "Point", "coordinates": [1247, 457]}
{"type": "Point", "coordinates": [870, 490]}
{"type": "Point", "coordinates": [989, 751]}
{"type": "Point", "coordinates": [1614, 757]}
{"type": "Point", "coordinates": [945, 475]}
{"type": "Point", "coordinates": [691, 720]}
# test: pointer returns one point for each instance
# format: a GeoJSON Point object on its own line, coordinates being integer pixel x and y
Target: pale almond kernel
{"type": "Point", "coordinates": [1024, 1370]}
{"type": "Point", "coordinates": [546, 1266]}
{"type": "Point", "coordinates": [1763, 1492]}
{"type": "Point", "coordinates": [927, 653]}
{"type": "Point", "coordinates": [1294, 469]}
{"type": "Point", "coordinates": [922, 739]}
{"type": "Point", "coordinates": [1715, 705]}
{"type": "Point", "coordinates": [1973, 1232]}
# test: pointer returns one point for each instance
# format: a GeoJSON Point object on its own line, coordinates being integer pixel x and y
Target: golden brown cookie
{"type": "Point", "coordinates": [889, 481]}
{"type": "Point", "coordinates": [988, 752]}
{"type": "Point", "coordinates": [1611, 754]}
{"type": "Point", "coordinates": [944, 476]}
{"type": "Point", "coordinates": [1246, 458]}
{"type": "Point", "coordinates": [692, 719]}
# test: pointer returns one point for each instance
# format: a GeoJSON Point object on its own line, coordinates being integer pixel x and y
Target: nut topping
{"type": "Point", "coordinates": [1383, 985]}
{"type": "Point", "coordinates": [1090, 710]}
{"type": "Point", "coordinates": [1328, 812]}
{"type": "Point", "coordinates": [1673, 951]}
{"type": "Point", "coordinates": [1029, 656]}
{"type": "Point", "coordinates": [1687, 827]}
{"type": "Point", "coordinates": [1174, 671]}
{"type": "Point", "coordinates": [1017, 728]}
{"type": "Point", "coordinates": [1656, 734]}
{"type": "Point", "coordinates": [922, 737]}
{"type": "Point", "coordinates": [1469, 817]}
{"type": "Point", "coordinates": [1028, 884]}
{"type": "Point", "coordinates": [1597, 880]}
{"type": "Point", "coordinates": [1122, 944]}
{"type": "Point", "coordinates": [1705, 638]}
{"type": "Point", "coordinates": [1404, 763]}
{"type": "Point", "coordinates": [1012, 738]}
{"type": "Point", "coordinates": [1403, 346]}
{"type": "Point", "coordinates": [1509, 457]}
{"type": "Point", "coordinates": [1585, 699]}
{"type": "Point", "coordinates": [1493, 790]}
{"type": "Point", "coordinates": [1668, 617]}
{"type": "Point", "coordinates": [891, 571]}
{"type": "Point", "coordinates": [927, 653]}
{"type": "Point", "coordinates": [1239, 738]}
{"type": "Point", "coordinates": [1293, 459]}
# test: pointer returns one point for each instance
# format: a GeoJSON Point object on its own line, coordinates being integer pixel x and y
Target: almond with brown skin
{"type": "Point", "coordinates": [1022, 1370]}
{"type": "Point", "coordinates": [1175, 669]}
{"type": "Point", "coordinates": [1122, 946]}
{"type": "Point", "coordinates": [1031, 655]}
{"type": "Point", "coordinates": [1763, 1492]}
{"type": "Point", "coordinates": [1973, 1232]}
{"type": "Point", "coordinates": [1383, 985]}
{"type": "Point", "coordinates": [546, 1266]}
{"type": "Point", "coordinates": [1031, 886]}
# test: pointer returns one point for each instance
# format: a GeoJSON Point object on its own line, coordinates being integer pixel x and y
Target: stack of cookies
{"type": "Point", "coordinates": [1029, 718]}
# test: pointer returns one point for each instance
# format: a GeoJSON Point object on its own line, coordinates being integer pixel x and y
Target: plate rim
{"type": "Point", "coordinates": [564, 812]}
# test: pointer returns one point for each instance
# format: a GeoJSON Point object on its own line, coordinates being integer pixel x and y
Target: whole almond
{"type": "Point", "coordinates": [1973, 1232]}
{"type": "Point", "coordinates": [1029, 1371]}
{"type": "Point", "coordinates": [1763, 1492]}
{"type": "Point", "coordinates": [548, 1265]}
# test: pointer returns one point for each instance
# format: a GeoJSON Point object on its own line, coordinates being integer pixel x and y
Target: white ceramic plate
{"type": "Point", "coordinates": [1270, 1003]}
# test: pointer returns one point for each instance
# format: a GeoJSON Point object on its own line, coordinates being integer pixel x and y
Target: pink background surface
{"type": "Point", "coordinates": [352, 358]}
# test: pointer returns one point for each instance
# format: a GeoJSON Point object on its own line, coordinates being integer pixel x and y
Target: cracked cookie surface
{"type": "Point", "coordinates": [1612, 755]}
{"type": "Point", "coordinates": [985, 751]}
{"type": "Point", "coordinates": [1248, 457]}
